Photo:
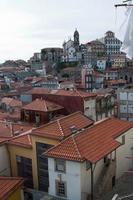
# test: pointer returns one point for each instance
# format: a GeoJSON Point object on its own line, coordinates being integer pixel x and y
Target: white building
{"type": "Point", "coordinates": [88, 162]}
{"type": "Point", "coordinates": [101, 64]}
{"type": "Point", "coordinates": [71, 49]}
{"type": "Point", "coordinates": [125, 100]}
{"type": "Point", "coordinates": [111, 74]}
{"type": "Point", "coordinates": [112, 43]}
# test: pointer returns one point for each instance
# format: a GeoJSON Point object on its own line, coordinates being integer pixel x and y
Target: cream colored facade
{"type": "Point", "coordinates": [16, 195]}
{"type": "Point", "coordinates": [4, 161]}
{"type": "Point", "coordinates": [15, 150]}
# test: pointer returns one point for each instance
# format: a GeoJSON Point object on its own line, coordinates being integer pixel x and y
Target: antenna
{"type": "Point", "coordinates": [124, 4]}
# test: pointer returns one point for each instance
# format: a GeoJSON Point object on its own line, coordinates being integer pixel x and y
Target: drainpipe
{"type": "Point", "coordinates": [92, 182]}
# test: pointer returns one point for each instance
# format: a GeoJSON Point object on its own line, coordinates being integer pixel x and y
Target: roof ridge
{"type": "Point", "coordinates": [45, 105]}
{"type": "Point", "coordinates": [79, 93]}
{"type": "Point", "coordinates": [75, 144]}
{"type": "Point", "coordinates": [23, 134]}
{"type": "Point", "coordinates": [58, 122]}
{"type": "Point", "coordinates": [57, 144]}
{"type": "Point", "coordinates": [54, 121]}
{"type": "Point", "coordinates": [29, 139]}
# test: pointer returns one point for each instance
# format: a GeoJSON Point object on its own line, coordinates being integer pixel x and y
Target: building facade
{"type": "Point", "coordinates": [112, 44]}
{"type": "Point", "coordinates": [71, 49]}
{"type": "Point", "coordinates": [125, 100]}
{"type": "Point", "coordinates": [70, 171]}
{"type": "Point", "coordinates": [52, 55]}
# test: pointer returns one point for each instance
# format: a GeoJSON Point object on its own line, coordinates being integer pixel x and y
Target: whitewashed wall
{"type": "Point", "coordinates": [77, 178]}
{"type": "Point", "coordinates": [90, 108]}
{"type": "Point", "coordinates": [123, 163]}
{"type": "Point", "coordinates": [71, 177]}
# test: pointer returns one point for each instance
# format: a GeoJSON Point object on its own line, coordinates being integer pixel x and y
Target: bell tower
{"type": "Point", "coordinates": [76, 40]}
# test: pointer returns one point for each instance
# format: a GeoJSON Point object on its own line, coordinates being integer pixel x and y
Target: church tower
{"type": "Point", "coordinates": [76, 40]}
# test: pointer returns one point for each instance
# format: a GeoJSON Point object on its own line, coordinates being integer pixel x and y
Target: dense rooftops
{"type": "Point", "coordinates": [62, 92]}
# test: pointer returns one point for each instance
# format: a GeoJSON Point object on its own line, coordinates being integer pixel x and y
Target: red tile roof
{"type": "Point", "coordinates": [8, 129]}
{"type": "Point", "coordinates": [62, 127]}
{"type": "Point", "coordinates": [12, 102]}
{"type": "Point", "coordinates": [62, 92]}
{"type": "Point", "coordinates": [3, 140]}
{"type": "Point", "coordinates": [8, 185]}
{"type": "Point", "coordinates": [42, 105]}
{"type": "Point", "coordinates": [22, 140]}
{"type": "Point", "coordinates": [93, 143]}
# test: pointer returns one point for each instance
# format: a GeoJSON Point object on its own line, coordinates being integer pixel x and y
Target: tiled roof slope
{"type": "Point", "coordinates": [62, 92]}
{"type": "Point", "coordinates": [42, 105]}
{"type": "Point", "coordinates": [93, 143]}
{"type": "Point", "coordinates": [3, 140]}
{"type": "Point", "coordinates": [8, 129]}
{"type": "Point", "coordinates": [8, 185]}
{"type": "Point", "coordinates": [22, 140]}
{"type": "Point", "coordinates": [12, 102]}
{"type": "Point", "coordinates": [61, 128]}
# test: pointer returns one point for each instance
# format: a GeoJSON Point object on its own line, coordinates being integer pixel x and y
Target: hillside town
{"type": "Point", "coordinates": [66, 123]}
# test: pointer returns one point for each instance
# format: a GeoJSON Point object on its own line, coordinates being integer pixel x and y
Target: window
{"type": "Point", "coordinates": [123, 139]}
{"type": "Point", "coordinates": [60, 165]}
{"type": "Point", "coordinates": [27, 114]}
{"type": "Point", "coordinates": [61, 188]}
{"type": "Point", "coordinates": [105, 159]}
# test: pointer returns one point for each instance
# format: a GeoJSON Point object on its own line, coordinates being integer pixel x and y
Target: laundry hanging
{"type": "Point", "coordinates": [127, 45]}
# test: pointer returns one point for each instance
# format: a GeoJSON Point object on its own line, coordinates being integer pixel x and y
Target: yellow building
{"type": "Point", "coordinates": [26, 149]}
{"type": "Point", "coordinates": [11, 188]}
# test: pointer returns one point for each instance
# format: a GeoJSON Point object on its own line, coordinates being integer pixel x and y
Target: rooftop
{"type": "Point", "coordinates": [8, 129]}
{"type": "Point", "coordinates": [42, 105]}
{"type": "Point", "coordinates": [62, 92]}
{"type": "Point", "coordinates": [8, 185]}
{"type": "Point", "coordinates": [93, 143]}
{"type": "Point", "coordinates": [22, 140]}
{"type": "Point", "coordinates": [61, 128]}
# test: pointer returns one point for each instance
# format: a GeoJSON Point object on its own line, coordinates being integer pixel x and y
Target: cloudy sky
{"type": "Point", "coordinates": [26, 26]}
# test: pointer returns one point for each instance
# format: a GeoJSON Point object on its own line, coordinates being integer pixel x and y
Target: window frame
{"type": "Point", "coordinates": [56, 161]}
{"type": "Point", "coordinates": [57, 188]}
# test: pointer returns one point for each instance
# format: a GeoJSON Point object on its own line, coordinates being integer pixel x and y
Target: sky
{"type": "Point", "coordinates": [27, 26]}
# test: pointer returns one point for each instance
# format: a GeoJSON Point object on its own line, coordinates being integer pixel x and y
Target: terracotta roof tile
{"type": "Point", "coordinates": [42, 105]}
{"type": "Point", "coordinates": [62, 92]}
{"type": "Point", "coordinates": [6, 100]}
{"type": "Point", "coordinates": [3, 140]}
{"type": "Point", "coordinates": [61, 128]}
{"type": "Point", "coordinates": [8, 129]}
{"type": "Point", "coordinates": [12, 102]}
{"type": "Point", "coordinates": [8, 185]}
{"type": "Point", "coordinates": [22, 140]}
{"type": "Point", "coordinates": [93, 143]}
